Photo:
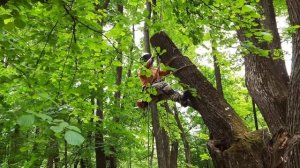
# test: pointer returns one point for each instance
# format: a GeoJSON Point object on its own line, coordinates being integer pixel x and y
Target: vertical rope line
{"type": "Point", "coordinates": [148, 124]}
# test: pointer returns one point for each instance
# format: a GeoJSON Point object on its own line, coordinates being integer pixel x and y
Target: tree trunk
{"type": "Point", "coordinates": [99, 137]}
{"type": "Point", "coordinates": [275, 46]}
{"type": "Point", "coordinates": [166, 146]}
{"type": "Point", "coordinates": [159, 139]}
{"type": "Point", "coordinates": [119, 71]}
{"type": "Point", "coordinates": [230, 137]}
{"type": "Point", "coordinates": [267, 89]}
{"type": "Point", "coordinates": [186, 145]}
{"type": "Point", "coordinates": [292, 154]}
{"type": "Point", "coordinates": [174, 154]}
{"type": "Point", "coordinates": [218, 75]}
{"type": "Point", "coordinates": [217, 70]}
{"type": "Point", "coordinates": [160, 135]}
{"type": "Point", "coordinates": [146, 29]}
{"type": "Point", "coordinates": [53, 153]}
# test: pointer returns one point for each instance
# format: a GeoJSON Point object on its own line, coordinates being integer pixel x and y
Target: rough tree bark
{"type": "Point", "coordinates": [230, 137]}
{"type": "Point", "coordinates": [276, 54]}
{"type": "Point", "coordinates": [267, 89]}
{"type": "Point", "coordinates": [266, 77]}
{"type": "Point", "coordinates": [292, 154]}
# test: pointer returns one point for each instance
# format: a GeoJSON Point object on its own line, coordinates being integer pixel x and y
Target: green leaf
{"type": "Point", "coordinates": [26, 120]}
{"type": "Point", "coordinates": [204, 136]}
{"type": "Point", "coordinates": [9, 20]}
{"type": "Point", "coordinates": [267, 36]}
{"type": "Point", "coordinates": [204, 156]}
{"type": "Point", "coordinates": [57, 129]}
{"type": "Point", "coordinates": [74, 128]}
{"type": "Point", "coordinates": [247, 8]}
{"type": "Point", "coordinates": [74, 138]}
{"type": "Point", "coordinates": [117, 63]}
{"type": "Point", "coordinates": [44, 117]}
{"type": "Point", "coordinates": [64, 124]}
{"type": "Point", "coordinates": [264, 53]}
{"type": "Point", "coordinates": [4, 11]}
{"type": "Point", "coordinates": [58, 120]}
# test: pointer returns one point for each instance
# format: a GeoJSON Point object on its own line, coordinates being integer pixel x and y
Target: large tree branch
{"type": "Point", "coordinates": [218, 115]}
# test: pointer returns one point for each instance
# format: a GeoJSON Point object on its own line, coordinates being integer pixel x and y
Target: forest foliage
{"type": "Point", "coordinates": [59, 61]}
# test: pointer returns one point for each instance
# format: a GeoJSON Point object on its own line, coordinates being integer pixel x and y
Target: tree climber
{"type": "Point", "coordinates": [155, 80]}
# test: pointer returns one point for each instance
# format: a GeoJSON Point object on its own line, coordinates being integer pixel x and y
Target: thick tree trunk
{"type": "Point", "coordinates": [230, 137]}
{"type": "Point", "coordinates": [275, 46]}
{"type": "Point", "coordinates": [294, 92]}
{"type": "Point", "coordinates": [266, 77]}
{"type": "Point", "coordinates": [267, 89]}
{"type": "Point", "coordinates": [292, 154]}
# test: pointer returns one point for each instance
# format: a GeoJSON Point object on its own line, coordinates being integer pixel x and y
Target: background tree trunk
{"type": "Point", "coordinates": [174, 154]}
{"type": "Point", "coordinates": [159, 140]}
{"type": "Point", "coordinates": [186, 145]}
{"type": "Point", "coordinates": [119, 71]}
{"type": "Point", "coordinates": [53, 153]}
{"type": "Point", "coordinates": [217, 70]}
{"type": "Point", "coordinates": [99, 137]}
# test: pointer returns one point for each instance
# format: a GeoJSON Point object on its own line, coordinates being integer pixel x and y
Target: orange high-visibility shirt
{"type": "Point", "coordinates": [156, 75]}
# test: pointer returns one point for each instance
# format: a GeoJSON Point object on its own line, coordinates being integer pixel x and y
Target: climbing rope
{"type": "Point", "coordinates": [148, 124]}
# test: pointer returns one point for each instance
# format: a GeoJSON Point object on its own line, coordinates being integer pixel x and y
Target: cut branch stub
{"type": "Point", "coordinates": [218, 115]}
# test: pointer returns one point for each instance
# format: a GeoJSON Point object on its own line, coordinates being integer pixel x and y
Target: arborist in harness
{"type": "Point", "coordinates": [155, 79]}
